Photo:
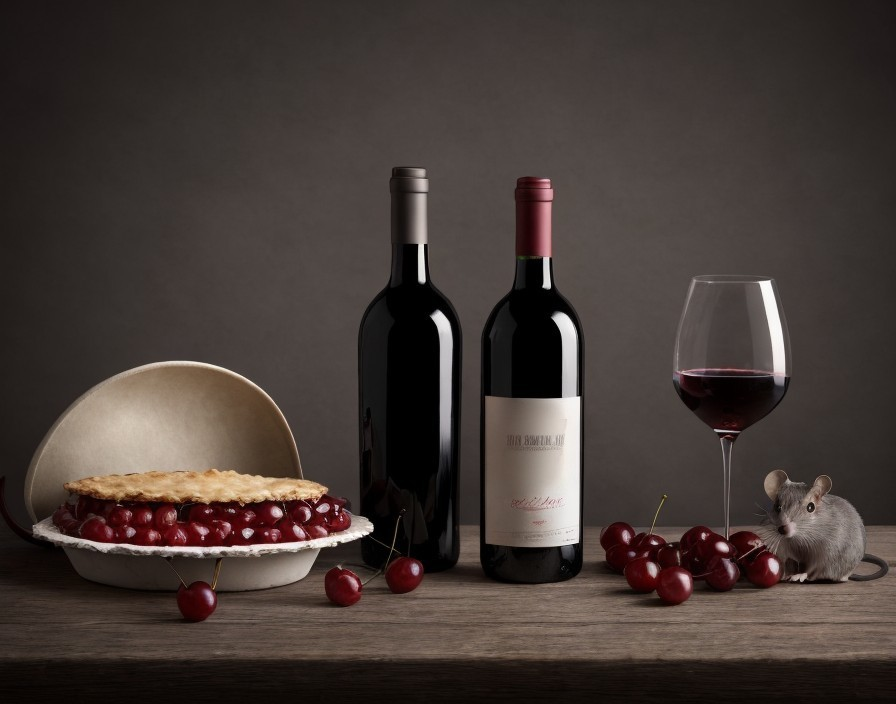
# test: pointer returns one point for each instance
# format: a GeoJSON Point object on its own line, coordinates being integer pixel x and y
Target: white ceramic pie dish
{"type": "Point", "coordinates": [172, 416]}
{"type": "Point", "coordinates": [247, 567]}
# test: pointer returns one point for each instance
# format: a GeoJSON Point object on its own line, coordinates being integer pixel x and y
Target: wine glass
{"type": "Point", "coordinates": [732, 357]}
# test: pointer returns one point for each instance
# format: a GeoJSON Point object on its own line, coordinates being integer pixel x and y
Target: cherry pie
{"type": "Point", "coordinates": [199, 509]}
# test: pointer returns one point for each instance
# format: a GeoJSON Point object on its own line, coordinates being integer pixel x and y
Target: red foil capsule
{"type": "Point", "coordinates": [533, 216]}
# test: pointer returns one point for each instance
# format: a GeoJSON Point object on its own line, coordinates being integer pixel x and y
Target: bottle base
{"type": "Point", "coordinates": [530, 565]}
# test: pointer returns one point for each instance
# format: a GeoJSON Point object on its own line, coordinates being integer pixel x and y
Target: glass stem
{"type": "Point", "coordinates": [727, 440]}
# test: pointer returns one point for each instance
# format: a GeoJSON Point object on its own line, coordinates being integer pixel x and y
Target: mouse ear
{"type": "Point", "coordinates": [774, 481]}
{"type": "Point", "coordinates": [821, 487]}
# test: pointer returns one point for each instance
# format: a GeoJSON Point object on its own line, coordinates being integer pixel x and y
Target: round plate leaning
{"type": "Point", "coordinates": [169, 416]}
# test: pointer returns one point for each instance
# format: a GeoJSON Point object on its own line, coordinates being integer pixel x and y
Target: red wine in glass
{"type": "Point", "coordinates": [732, 357]}
{"type": "Point", "coordinates": [730, 400]}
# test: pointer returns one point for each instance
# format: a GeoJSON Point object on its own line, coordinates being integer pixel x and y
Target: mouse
{"type": "Point", "coordinates": [816, 535]}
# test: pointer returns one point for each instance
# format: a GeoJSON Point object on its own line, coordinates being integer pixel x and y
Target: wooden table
{"type": "Point", "coordinates": [458, 637]}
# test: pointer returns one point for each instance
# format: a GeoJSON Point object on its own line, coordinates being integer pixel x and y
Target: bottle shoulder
{"type": "Point", "coordinates": [417, 304]}
{"type": "Point", "coordinates": [533, 307]}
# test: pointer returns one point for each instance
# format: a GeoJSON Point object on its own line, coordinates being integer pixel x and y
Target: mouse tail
{"type": "Point", "coordinates": [874, 560]}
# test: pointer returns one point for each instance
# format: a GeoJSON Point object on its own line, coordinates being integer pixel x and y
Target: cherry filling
{"type": "Point", "coordinates": [201, 525]}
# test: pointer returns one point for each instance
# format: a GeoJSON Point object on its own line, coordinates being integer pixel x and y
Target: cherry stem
{"type": "Point", "coordinates": [394, 536]}
{"type": "Point", "coordinates": [355, 566]}
{"type": "Point", "coordinates": [662, 501]}
{"type": "Point", "coordinates": [750, 551]}
{"type": "Point", "coordinates": [373, 576]}
{"type": "Point", "coordinates": [218, 563]}
{"type": "Point", "coordinates": [171, 565]}
{"type": "Point", "coordinates": [391, 549]}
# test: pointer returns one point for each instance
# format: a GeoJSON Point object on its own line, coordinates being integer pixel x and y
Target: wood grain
{"type": "Point", "coordinates": [460, 636]}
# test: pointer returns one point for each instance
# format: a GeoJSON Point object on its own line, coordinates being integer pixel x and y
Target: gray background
{"type": "Point", "coordinates": [209, 181]}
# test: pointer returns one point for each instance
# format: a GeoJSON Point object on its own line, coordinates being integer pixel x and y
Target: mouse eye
{"type": "Point", "coordinates": [810, 507]}
{"type": "Point", "coordinates": [777, 508]}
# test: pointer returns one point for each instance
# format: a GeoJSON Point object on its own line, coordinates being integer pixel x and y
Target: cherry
{"type": "Point", "coordinates": [616, 533]}
{"type": "Point", "coordinates": [745, 541]}
{"type": "Point", "coordinates": [343, 587]}
{"type": "Point", "coordinates": [225, 512]}
{"type": "Point", "coordinates": [197, 534]}
{"type": "Point", "coordinates": [268, 513]}
{"type": "Point", "coordinates": [120, 516]}
{"type": "Point", "coordinates": [668, 555]}
{"type": "Point", "coordinates": [692, 562]}
{"type": "Point", "coordinates": [674, 585]}
{"type": "Point", "coordinates": [301, 513]}
{"type": "Point", "coordinates": [72, 526]}
{"type": "Point", "coordinates": [765, 570]}
{"type": "Point", "coordinates": [404, 574]}
{"type": "Point", "coordinates": [95, 528]}
{"type": "Point", "coordinates": [196, 602]}
{"type": "Point", "coordinates": [290, 531]}
{"type": "Point", "coordinates": [723, 574]}
{"type": "Point", "coordinates": [142, 517]}
{"type": "Point", "coordinates": [147, 536]}
{"type": "Point", "coordinates": [68, 524]}
{"type": "Point", "coordinates": [269, 535]}
{"type": "Point", "coordinates": [241, 536]}
{"type": "Point", "coordinates": [647, 540]}
{"type": "Point", "coordinates": [243, 518]}
{"type": "Point", "coordinates": [641, 574]}
{"type": "Point", "coordinates": [60, 514]}
{"type": "Point", "coordinates": [125, 534]}
{"type": "Point", "coordinates": [220, 529]}
{"type": "Point", "coordinates": [316, 531]}
{"type": "Point", "coordinates": [201, 513]}
{"type": "Point", "coordinates": [621, 554]}
{"type": "Point", "coordinates": [713, 546]}
{"type": "Point", "coordinates": [174, 535]}
{"type": "Point", "coordinates": [164, 517]}
{"type": "Point", "coordinates": [318, 517]}
{"type": "Point", "coordinates": [338, 521]}
{"type": "Point", "coordinates": [695, 535]}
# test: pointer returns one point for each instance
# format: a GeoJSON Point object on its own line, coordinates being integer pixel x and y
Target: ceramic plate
{"type": "Point", "coordinates": [165, 416]}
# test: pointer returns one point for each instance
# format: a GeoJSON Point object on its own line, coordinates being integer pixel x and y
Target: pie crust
{"type": "Point", "coordinates": [186, 487]}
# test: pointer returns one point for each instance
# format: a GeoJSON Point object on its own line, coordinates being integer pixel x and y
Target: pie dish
{"type": "Point", "coordinates": [248, 567]}
{"type": "Point", "coordinates": [198, 509]}
{"type": "Point", "coordinates": [172, 415]}
{"type": "Point", "coordinates": [111, 524]}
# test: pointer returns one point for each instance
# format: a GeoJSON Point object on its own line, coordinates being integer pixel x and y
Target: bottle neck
{"type": "Point", "coordinates": [533, 272]}
{"type": "Point", "coordinates": [410, 264]}
{"type": "Point", "coordinates": [533, 228]}
{"type": "Point", "coordinates": [409, 188]}
{"type": "Point", "coordinates": [533, 234]}
{"type": "Point", "coordinates": [409, 218]}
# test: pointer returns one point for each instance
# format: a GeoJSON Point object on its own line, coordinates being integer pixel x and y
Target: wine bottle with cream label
{"type": "Point", "coordinates": [531, 414]}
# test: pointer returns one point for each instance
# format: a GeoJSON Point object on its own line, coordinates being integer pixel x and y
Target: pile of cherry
{"type": "Point", "coordinates": [650, 563]}
{"type": "Point", "coordinates": [201, 525]}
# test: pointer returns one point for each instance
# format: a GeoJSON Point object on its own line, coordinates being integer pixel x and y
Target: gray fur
{"type": "Point", "coordinates": [825, 544]}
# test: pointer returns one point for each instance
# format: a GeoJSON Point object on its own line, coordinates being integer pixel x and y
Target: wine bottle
{"type": "Point", "coordinates": [531, 414]}
{"type": "Point", "coordinates": [409, 350]}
